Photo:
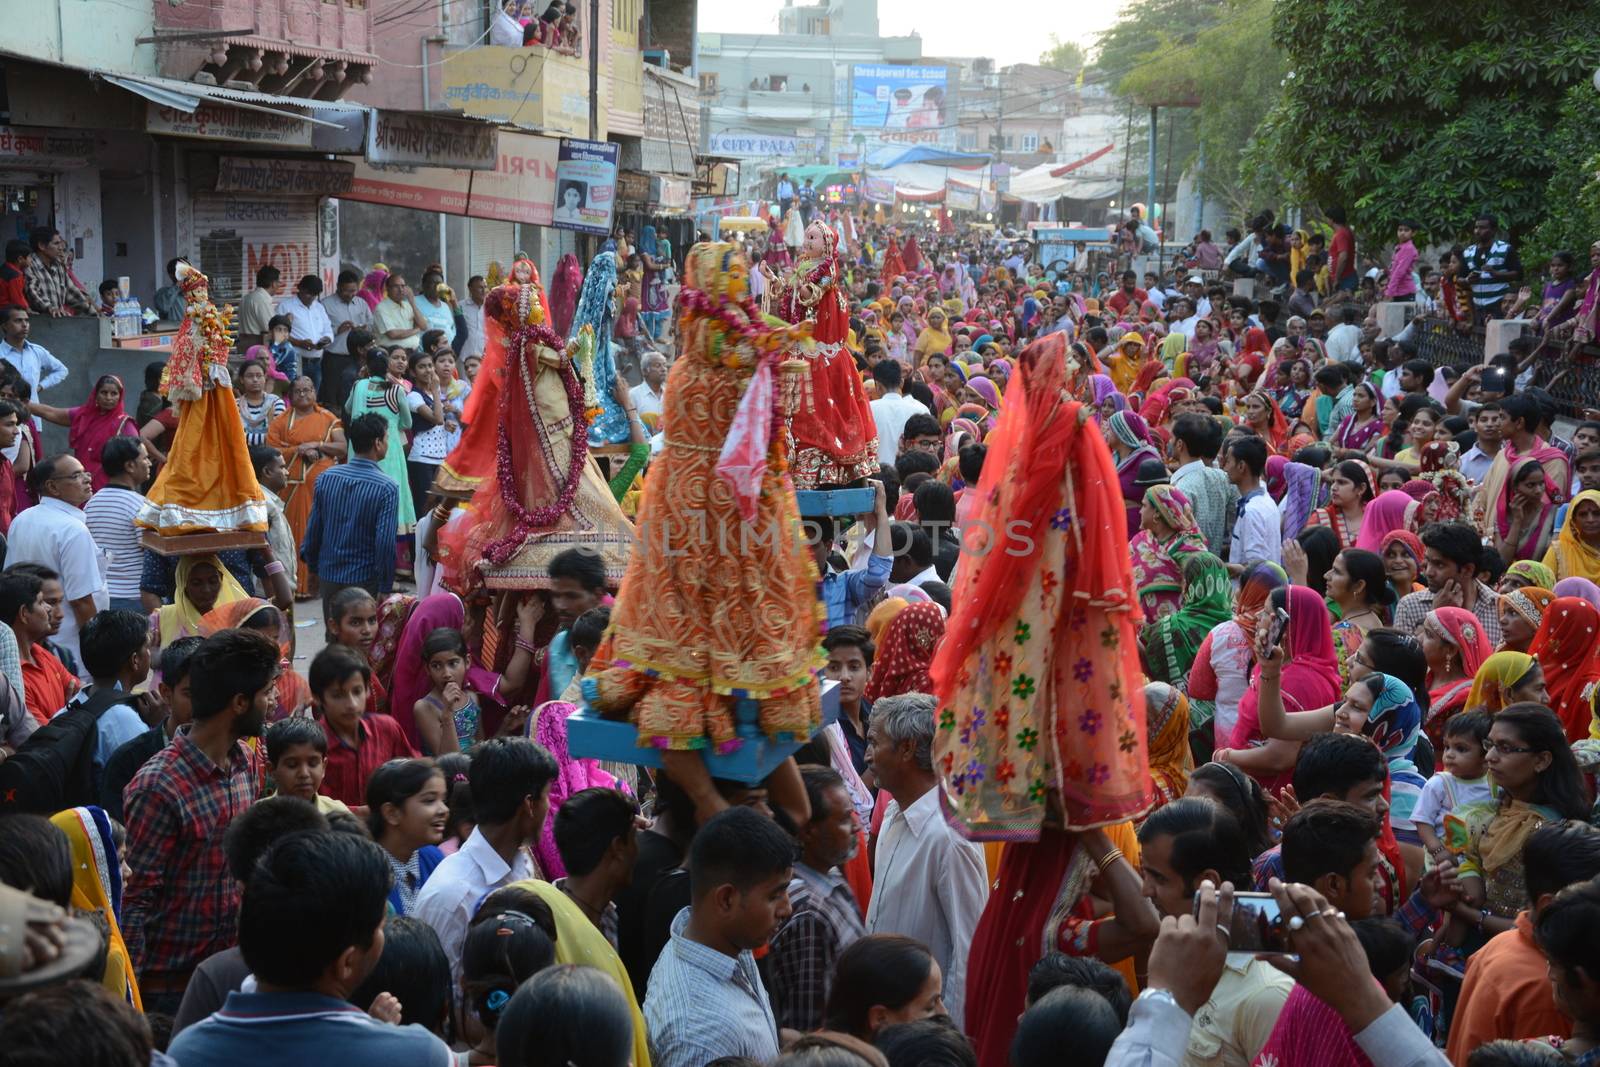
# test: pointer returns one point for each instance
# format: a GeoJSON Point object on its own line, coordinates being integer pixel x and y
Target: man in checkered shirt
{"type": "Point", "coordinates": [826, 917]}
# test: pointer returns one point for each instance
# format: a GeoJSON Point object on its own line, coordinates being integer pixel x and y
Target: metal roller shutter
{"type": "Point", "coordinates": [492, 241]}
{"type": "Point", "coordinates": [235, 235]}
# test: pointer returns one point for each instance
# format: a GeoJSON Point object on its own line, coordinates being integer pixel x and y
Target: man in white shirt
{"type": "Point", "coordinates": [396, 320]}
{"type": "Point", "coordinates": [891, 410]}
{"type": "Point", "coordinates": [510, 779]}
{"type": "Point", "coordinates": [929, 883]}
{"type": "Point", "coordinates": [1344, 340]}
{"type": "Point", "coordinates": [256, 309]}
{"type": "Point", "coordinates": [55, 534]}
{"type": "Point", "coordinates": [34, 362]}
{"type": "Point", "coordinates": [310, 328]}
{"type": "Point", "coordinates": [1257, 523]}
{"type": "Point", "coordinates": [472, 311]}
{"type": "Point", "coordinates": [647, 394]}
{"type": "Point", "coordinates": [346, 312]}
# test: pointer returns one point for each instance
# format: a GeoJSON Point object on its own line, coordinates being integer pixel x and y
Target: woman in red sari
{"type": "Point", "coordinates": [1262, 414]}
{"type": "Point", "coordinates": [1454, 643]}
{"type": "Point", "coordinates": [1567, 646]}
{"type": "Point", "coordinates": [1040, 740]}
{"type": "Point", "coordinates": [906, 652]}
{"type": "Point", "coordinates": [92, 423]}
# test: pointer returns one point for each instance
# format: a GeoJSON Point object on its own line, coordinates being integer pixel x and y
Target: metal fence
{"type": "Point", "coordinates": [1573, 379]}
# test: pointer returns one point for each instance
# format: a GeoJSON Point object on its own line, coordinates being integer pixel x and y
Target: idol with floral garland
{"type": "Point", "coordinates": [541, 491]}
{"type": "Point", "coordinates": [720, 597]}
{"type": "Point", "coordinates": [835, 436]}
{"type": "Point", "coordinates": [207, 484]}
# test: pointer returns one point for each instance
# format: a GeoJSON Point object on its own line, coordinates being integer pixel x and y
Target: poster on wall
{"type": "Point", "coordinates": [586, 186]}
{"type": "Point", "coordinates": [892, 97]}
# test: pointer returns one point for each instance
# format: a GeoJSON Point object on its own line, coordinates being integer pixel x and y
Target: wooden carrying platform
{"type": "Point", "coordinates": [591, 735]}
{"type": "Point", "coordinates": [203, 544]}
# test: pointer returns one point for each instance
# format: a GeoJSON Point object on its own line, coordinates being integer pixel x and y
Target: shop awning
{"type": "Point", "coordinates": [188, 96]}
{"type": "Point", "coordinates": [883, 159]}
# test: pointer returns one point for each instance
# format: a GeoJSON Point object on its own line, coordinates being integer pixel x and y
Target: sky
{"type": "Point", "coordinates": [948, 27]}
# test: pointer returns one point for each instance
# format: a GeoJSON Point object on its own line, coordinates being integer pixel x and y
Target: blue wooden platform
{"type": "Point", "coordinates": [817, 502]}
{"type": "Point", "coordinates": [590, 735]}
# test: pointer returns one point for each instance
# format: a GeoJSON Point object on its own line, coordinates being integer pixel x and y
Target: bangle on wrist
{"type": "Point", "coordinates": [1108, 859]}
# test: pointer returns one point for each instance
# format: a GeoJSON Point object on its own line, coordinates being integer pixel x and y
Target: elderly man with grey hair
{"type": "Point", "coordinates": [647, 394]}
{"type": "Point", "coordinates": [929, 882]}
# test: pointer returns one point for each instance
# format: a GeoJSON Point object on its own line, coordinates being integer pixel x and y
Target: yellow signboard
{"type": "Point", "coordinates": [531, 87]}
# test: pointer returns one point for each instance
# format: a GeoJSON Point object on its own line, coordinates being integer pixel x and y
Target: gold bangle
{"type": "Point", "coordinates": [1109, 858]}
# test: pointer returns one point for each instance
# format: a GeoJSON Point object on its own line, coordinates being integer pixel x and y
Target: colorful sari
{"type": "Point", "coordinates": [1158, 566]}
{"type": "Point", "coordinates": [1037, 674]}
{"type": "Point", "coordinates": [1567, 646]}
{"type": "Point", "coordinates": [97, 888]}
{"type": "Point", "coordinates": [90, 428]}
{"type": "Point", "coordinates": [1490, 504]}
{"type": "Point", "coordinates": [1357, 436]}
{"type": "Point", "coordinates": [1167, 726]}
{"type": "Point", "coordinates": [1395, 724]}
{"type": "Point", "coordinates": [1310, 677]}
{"type": "Point", "coordinates": [1530, 602]}
{"type": "Point", "coordinates": [1294, 486]}
{"type": "Point", "coordinates": [288, 433]}
{"type": "Point", "coordinates": [1172, 642]}
{"type": "Point", "coordinates": [1498, 675]}
{"type": "Point", "coordinates": [1394, 510]}
{"type": "Point", "coordinates": [182, 618]}
{"type": "Point", "coordinates": [1570, 556]}
{"type": "Point", "coordinates": [1461, 629]}
{"type": "Point", "coordinates": [1131, 432]}
{"type": "Point", "coordinates": [909, 645]}
{"type": "Point", "coordinates": [548, 727]}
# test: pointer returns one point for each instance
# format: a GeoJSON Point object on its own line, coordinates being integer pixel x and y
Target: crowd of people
{"type": "Point", "coordinates": [1212, 686]}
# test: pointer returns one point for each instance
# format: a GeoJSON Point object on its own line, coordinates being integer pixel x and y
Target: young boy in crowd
{"type": "Point", "coordinates": [850, 651]}
{"type": "Point", "coordinates": [285, 359]}
{"type": "Point", "coordinates": [352, 622]}
{"type": "Point", "coordinates": [297, 761]}
{"type": "Point", "coordinates": [1338, 767]}
{"type": "Point", "coordinates": [1463, 781]}
{"type": "Point", "coordinates": [14, 274]}
{"type": "Point", "coordinates": [357, 744]}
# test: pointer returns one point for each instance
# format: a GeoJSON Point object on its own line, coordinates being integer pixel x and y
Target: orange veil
{"type": "Point", "coordinates": [1038, 678]}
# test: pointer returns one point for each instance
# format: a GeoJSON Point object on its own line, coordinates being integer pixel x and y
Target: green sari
{"type": "Point", "coordinates": [1172, 642]}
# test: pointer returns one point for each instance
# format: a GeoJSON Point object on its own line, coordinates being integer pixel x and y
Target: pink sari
{"type": "Point", "coordinates": [1310, 1034]}
{"type": "Point", "coordinates": [573, 776]}
{"type": "Point", "coordinates": [1310, 676]}
{"type": "Point", "coordinates": [1391, 511]}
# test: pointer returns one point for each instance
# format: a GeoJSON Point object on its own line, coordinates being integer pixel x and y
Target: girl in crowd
{"type": "Point", "coordinates": [1529, 510]}
{"type": "Point", "coordinates": [1402, 562]}
{"type": "Point", "coordinates": [1357, 589]}
{"type": "Point", "coordinates": [257, 407]}
{"type": "Point", "coordinates": [1521, 613]}
{"type": "Point", "coordinates": [1454, 642]}
{"type": "Point", "coordinates": [1506, 678]}
{"type": "Point", "coordinates": [1349, 492]}
{"type": "Point", "coordinates": [406, 814]}
{"type": "Point", "coordinates": [1575, 553]}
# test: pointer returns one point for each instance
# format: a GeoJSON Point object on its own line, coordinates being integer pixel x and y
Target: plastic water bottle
{"type": "Point", "coordinates": [127, 320]}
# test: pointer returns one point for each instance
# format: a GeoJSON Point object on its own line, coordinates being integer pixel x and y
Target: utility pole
{"type": "Point", "coordinates": [1150, 184]}
{"type": "Point", "coordinates": [591, 243]}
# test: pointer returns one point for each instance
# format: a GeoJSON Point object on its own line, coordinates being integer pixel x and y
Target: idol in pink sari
{"type": "Point", "coordinates": [573, 775]}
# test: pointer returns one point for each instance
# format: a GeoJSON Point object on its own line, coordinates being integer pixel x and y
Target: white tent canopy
{"type": "Point", "coordinates": [1038, 186]}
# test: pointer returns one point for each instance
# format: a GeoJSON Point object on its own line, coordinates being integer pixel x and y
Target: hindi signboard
{"type": "Point", "coordinates": [219, 122]}
{"type": "Point", "coordinates": [586, 186]}
{"type": "Point", "coordinates": [425, 141]}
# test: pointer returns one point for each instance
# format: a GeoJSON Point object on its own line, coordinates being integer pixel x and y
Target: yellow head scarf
{"type": "Point", "coordinates": [97, 887]}
{"type": "Point", "coordinates": [181, 618]}
{"type": "Point", "coordinates": [882, 615]}
{"type": "Point", "coordinates": [1495, 677]}
{"type": "Point", "coordinates": [1571, 556]}
{"type": "Point", "coordinates": [579, 941]}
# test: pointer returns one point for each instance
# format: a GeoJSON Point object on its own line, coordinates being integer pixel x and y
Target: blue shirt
{"type": "Point", "coordinates": [842, 594]}
{"type": "Point", "coordinates": [118, 724]}
{"type": "Point", "coordinates": [703, 1005]}
{"type": "Point", "coordinates": [350, 536]}
{"type": "Point", "coordinates": [271, 1029]}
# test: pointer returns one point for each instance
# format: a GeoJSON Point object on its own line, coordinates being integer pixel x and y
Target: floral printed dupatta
{"type": "Point", "coordinates": [1038, 676]}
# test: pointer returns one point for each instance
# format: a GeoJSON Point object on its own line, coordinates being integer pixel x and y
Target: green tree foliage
{"type": "Point", "coordinates": [1439, 111]}
{"type": "Point", "coordinates": [1063, 55]}
{"type": "Point", "coordinates": [1571, 219]}
{"type": "Point", "coordinates": [1232, 72]}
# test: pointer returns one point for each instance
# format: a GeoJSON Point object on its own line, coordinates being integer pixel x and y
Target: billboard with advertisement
{"type": "Point", "coordinates": [888, 96]}
{"type": "Point", "coordinates": [586, 186]}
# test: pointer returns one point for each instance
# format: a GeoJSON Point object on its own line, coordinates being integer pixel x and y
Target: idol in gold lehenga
{"type": "Point", "coordinates": [719, 601]}
{"type": "Point", "coordinates": [207, 484]}
{"type": "Point", "coordinates": [538, 490]}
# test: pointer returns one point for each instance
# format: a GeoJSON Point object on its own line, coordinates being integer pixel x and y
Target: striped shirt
{"type": "Point", "coordinates": [826, 920]}
{"type": "Point", "coordinates": [350, 535]}
{"type": "Point", "coordinates": [704, 1005]}
{"type": "Point", "coordinates": [109, 514]}
{"type": "Point", "coordinates": [1499, 256]}
{"type": "Point", "coordinates": [304, 1027]}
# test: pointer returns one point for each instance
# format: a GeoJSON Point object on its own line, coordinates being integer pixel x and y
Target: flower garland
{"type": "Point", "coordinates": [828, 267]}
{"type": "Point", "coordinates": [528, 520]}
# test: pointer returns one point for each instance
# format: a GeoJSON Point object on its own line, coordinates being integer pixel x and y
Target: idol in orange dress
{"type": "Point", "coordinates": [546, 493]}
{"type": "Point", "coordinates": [835, 435]}
{"type": "Point", "coordinates": [720, 597]}
{"type": "Point", "coordinates": [207, 484]}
